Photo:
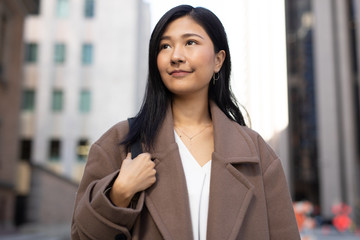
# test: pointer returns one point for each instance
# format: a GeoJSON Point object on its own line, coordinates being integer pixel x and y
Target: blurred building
{"type": "Point", "coordinates": [12, 15]}
{"type": "Point", "coordinates": [85, 69]}
{"type": "Point", "coordinates": [323, 41]}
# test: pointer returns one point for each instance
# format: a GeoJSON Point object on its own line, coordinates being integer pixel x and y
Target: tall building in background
{"type": "Point", "coordinates": [323, 40]}
{"type": "Point", "coordinates": [12, 16]}
{"type": "Point", "coordinates": [85, 65]}
{"type": "Point", "coordinates": [85, 69]}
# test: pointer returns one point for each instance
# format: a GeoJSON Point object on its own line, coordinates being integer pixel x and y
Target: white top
{"type": "Point", "coordinates": [198, 185]}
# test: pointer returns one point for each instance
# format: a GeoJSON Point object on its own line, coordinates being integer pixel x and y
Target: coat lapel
{"type": "Point", "coordinates": [167, 200]}
{"type": "Point", "coordinates": [230, 191]}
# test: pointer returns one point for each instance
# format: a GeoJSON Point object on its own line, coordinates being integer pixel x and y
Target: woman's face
{"type": "Point", "coordinates": [187, 60]}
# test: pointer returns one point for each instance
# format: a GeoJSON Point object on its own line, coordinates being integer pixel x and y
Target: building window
{"type": "Point", "coordinates": [62, 8]}
{"type": "Point", "coordinates": [60, 53]}
{"type": "Point", "coordinates": [89, 8]}
{"type": "Point", "coordinates": [82, 150]}
{"type": "Point", "coordinates": [54, 149]}
{"type": "Point", "coordinates": [57, 100]}
{"type": "Point", "coordinates": [31, 52]}
{"type": "Point", "coordinates": [85, 101]}
{"type": "Point", "coordinates": [87, 54]}
{"type": "Point", "coordinates": [28, 100]}
{"type": "Point", "coordinates": [25, 149]}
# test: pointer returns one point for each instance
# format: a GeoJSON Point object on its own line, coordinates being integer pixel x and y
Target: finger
{"type": "Point", "coordinates": [144, 156]}
{"type": "Point", "coordinates": [152, 164]}
{"type": "Point", "coordinates": [128, 156]}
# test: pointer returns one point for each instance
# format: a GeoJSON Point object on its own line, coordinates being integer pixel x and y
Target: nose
{"type": "Point", "coordinates": [177, 55]}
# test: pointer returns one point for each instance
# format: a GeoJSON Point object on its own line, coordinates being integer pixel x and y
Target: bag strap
{"type": "Point", "coordinates": [135, 148]}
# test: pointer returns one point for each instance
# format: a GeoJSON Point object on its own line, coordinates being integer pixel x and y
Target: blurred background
{"type": "Point", "coordinates": [70, 69]}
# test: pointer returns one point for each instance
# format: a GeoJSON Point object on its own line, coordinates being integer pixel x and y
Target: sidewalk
{"type": "Point", "coordinates": [329, 234]}
{"type": "Point", "coordinates": [62, 232]}
{"type": "Point", "coordinates": [51, 232]}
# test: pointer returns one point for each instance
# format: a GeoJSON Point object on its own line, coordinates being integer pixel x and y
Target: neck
{"type": "Point", "coordinates": [190, 112]}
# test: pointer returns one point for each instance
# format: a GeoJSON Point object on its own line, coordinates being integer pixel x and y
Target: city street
{"type": "Point", "coordinates": [317, 234]}
{"type": "Point", "coordinates": [62, 232]}
{"type": "Point", "coordinates": [52, 232]}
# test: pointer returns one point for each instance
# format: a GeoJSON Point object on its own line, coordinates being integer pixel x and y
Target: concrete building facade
{"type": "Point", "coordinates": [324, 83]}
{"type": "Point", "coordinates": [12, 15]}
{"type": "Point", "coordinates": [85, 70]}
{"type": "Point", "coordinates": [90, 58]}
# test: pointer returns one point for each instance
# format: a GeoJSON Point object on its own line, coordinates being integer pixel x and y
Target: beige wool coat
{"type": "Point", "coordinates": [249, 197]}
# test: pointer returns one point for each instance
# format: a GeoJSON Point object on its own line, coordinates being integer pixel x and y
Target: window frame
{"type": "Point", "coordinates": [87, 54]}
{"type": "Point", "coordinates": [26, 149]}
{"type": "Point", "coordinates": [82, 149]}
{"type": "Point", "coordinates": [89, 9]}
{"type": "Point", "coordinates": [59, 53]}
{"type": "Point", "coordinates": [62, 8]}
{"type": "Point", "coordinates": [54, 150]}
{"type": "Point", "coordinates": [28, 100]}
{"type": "Point", "coordinates": [31, 52]}
{"type": "Point", "coordinates": [57, 101]}
{"type": "Point", "coordinates": [85, 101]}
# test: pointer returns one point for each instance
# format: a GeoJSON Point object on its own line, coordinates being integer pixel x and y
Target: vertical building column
{"type": "Point", "coordinates": [347, 109]}
{"type": "Point", "coordinates": [356, 5]}
{"type": "Point", "coordinates": [326, 76]}
{"type": "Point", "coordinates": [43, 82]}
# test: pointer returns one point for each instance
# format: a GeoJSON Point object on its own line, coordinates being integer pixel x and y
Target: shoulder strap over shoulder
{"type": "Point", "coordinates": [135, 148]}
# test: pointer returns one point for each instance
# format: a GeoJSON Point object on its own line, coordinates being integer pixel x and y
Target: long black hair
{"type": "Point", "coordinates": [158, 97]}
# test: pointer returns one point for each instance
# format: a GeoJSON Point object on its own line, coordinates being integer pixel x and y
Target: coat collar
{"type": "Point", "coordinates": [167, 200]}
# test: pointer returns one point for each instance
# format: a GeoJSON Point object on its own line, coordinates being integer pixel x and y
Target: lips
{"type": "Point", "coordinates": [179, 73]}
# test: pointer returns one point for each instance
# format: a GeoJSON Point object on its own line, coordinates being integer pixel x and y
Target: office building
{"type": "Point", "coordinates": [85, 70]}
{"type": "Point", "coordinates": [324, 102]}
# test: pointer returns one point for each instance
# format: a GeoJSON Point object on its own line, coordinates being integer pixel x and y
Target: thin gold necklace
{"type": "Point", "coordinates": [193, 136]}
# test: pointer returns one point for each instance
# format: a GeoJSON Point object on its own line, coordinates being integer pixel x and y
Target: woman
{"type": "Point", "coordinates": [203, 173]}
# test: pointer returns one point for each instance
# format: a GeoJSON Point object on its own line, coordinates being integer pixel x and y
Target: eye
{"type": "Point", "coordinates": [164, 46]}
{"type": "Point", "coordinates": [191, 42]}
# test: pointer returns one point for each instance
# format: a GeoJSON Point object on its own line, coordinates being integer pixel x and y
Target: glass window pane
{"type": "Point", "coordinates": [85, 101]}
{"type": "Point", "coordinates": [31, 51]}
{"type": "Point", "coordinates": [62, 8]}
{"type": "Point", "coordinates": [28, 101]}
{"type": "Point", "coordinates": [60, 51]}
{"type": "Point", "coordinates": [87, 53]}
{"type": "Point", "coordinates": [25, 149]}
{"type": "Point", "coordinates": [82, 150]}
{"type": "Point", "coordinates": [89, 8]}
{"type": "Point", "coordinates": [57, 100]}
{"type": "Point", "coordinates": [54, 149]}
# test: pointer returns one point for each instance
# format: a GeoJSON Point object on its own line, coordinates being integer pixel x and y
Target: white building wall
{"type": "Point", "coordinates": [112, 78]}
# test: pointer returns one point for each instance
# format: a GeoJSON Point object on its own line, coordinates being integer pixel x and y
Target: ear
{"type": "Point", "coordinates": [219, 60]}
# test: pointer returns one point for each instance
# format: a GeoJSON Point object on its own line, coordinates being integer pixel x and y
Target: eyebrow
{"type": "Point", "coordinates": [186, 35]}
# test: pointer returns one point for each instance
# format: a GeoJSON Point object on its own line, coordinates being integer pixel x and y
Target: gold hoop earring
{"type": "Point", "coordinates": [215, 78]}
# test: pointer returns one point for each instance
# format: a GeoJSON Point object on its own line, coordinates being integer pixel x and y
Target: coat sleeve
{"type": "Point", "coordinates": [95, 217]}
{"type": "Point", "coordinates": [281, 217]}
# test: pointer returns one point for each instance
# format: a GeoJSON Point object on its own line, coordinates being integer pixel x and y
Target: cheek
{"type": "Point", "coordinates": [161, 63]}
{"type": "Point", "coordinates": [162, 66]}
{"type": "Point", "coordinates": [206, 58]}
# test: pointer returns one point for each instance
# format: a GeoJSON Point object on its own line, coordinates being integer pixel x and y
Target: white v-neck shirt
{"type": "Point", "coordinates": [198, 185]}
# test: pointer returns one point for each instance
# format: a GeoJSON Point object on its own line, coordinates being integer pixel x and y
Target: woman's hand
{"type": "Point", "coordinates": [135, 175]}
